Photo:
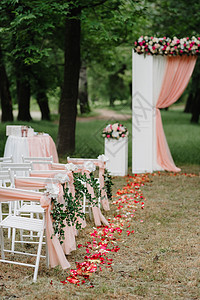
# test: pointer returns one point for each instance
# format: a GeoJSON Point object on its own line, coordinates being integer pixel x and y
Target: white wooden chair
{"type": "Point", "coordinates": [33, 207]}
{"type": "Point", "coordinates": [44, 161]}
{"type": "Point", "coordinates": [5, 207]}
{"type": "Point", "coordinates": [30, 208]}
{"type": "Point", "coordinates": [22, 169]}
{"type": "Point", "coordinates": [6, 159]}
{"type": "Point", "coordinates": [23, 223]}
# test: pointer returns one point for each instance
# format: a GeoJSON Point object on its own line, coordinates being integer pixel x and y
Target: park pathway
{"type": "Point", "coordinates": [101, 114]}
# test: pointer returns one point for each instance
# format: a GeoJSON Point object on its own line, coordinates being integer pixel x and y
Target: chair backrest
{"type": "Point", "coordinates": [39, 162]}
{"type": "Point", "coordinates": [46, 173]}
{"type": "Point", "coordinates": [6, 178]}
{"type": "Point", "coordinates": [35, 183]}
{"type": "Point", "coordinates": [22, 169]}
{"type": "Point", "coordinates": [6, 159]}
{"type": "Point", "coordinates": [36, 160]}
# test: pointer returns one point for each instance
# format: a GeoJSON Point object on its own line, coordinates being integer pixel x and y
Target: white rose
{"type": "Point", "coordinates": [140, 39]}
{"type": "Point", "coordinates": [52, 190]}
{"type": "Point", "coordinates": [103, 158]}
{"type": "Point", "coordinates": [115, 126]}
{"type": "Point", "coordinates": [62, 178]}
{"type": "Point", "coordinates": [115, 134]}
{"type": "Point", "coordinates": [108, 128]}
{"type": "Point", "coordinates": [71, 167]}
{"type": "Point", "coordinates": [89, 166]}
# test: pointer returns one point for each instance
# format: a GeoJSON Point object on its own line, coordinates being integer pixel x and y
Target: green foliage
{"type": "Point", "coordinates": [174, 18]}
{"type": "Point", "coordinates": [108, 184]}
{"type": "Point", "coordinates": [70, 212]}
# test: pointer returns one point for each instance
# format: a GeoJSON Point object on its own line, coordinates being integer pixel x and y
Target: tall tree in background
{"type": "Point", "coordinates": [6, 101]}
{"type": "Point", "coordinates": [117, 19]}
{"type": "Point", "coordinates": [30, 28]}
{"type": "Point", "coordinates": [26, 27]}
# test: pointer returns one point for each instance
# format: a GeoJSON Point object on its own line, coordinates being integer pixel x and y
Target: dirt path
{"type": "Point", "coordinates": [106, 114]}
{"type": "Point", "coordinates": [102, 114]}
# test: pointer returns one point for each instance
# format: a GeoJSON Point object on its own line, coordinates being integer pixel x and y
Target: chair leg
{"type": "Point", "coordinates": [1, 217]}
{"type": "Point", "coordinates": [47, 252]}
{"type": "Point", "coordinates": [38, 256]}
{"type": "Point", "coordinates": [2, 243]}
{"type": "Point", "coordinates": [21, 236]}
{"type": "Point", "coordinates": [13, 240]}
{"type": "Point", "coordinates": [10, 212]}
{"type": "Point", "coordinates": [90, 212]}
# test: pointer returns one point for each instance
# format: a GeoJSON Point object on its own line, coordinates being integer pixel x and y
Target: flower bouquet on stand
{"type": "Point", "coordinates": [116, 148]}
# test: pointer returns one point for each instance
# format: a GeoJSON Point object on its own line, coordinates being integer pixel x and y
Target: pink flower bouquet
{"type": "Point", "coordinates": [115, 131]}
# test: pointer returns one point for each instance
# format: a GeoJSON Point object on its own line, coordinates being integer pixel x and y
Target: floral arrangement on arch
{"type": "Point", "coordinates": [115, 131]}
{"type": "Point", "coordinates": [167, 46]}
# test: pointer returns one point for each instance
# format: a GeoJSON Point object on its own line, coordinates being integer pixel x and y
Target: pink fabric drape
{"type": "Point", "coordinates": [98, 217]}
{"type": "Point", "coordinates": [25, 183]}
{"type": "Point", "coordinates": [42, 146]}
{"type": "Point", "coordinates": [177, 75]}
{"type": "Point", "coordinates": [56, 254]}
{"type": "Point", "coordinates": [47, 173]}
{"type": "Point", "coordinates": [69, 243]}
{"type": "Point", "coordinates": [104, 196]}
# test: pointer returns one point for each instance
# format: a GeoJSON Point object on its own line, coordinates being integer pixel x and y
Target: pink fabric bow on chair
{"type": "Point", "coordinates": [69, 243]}
{"type": "Point", "coordinates": [56, 253]}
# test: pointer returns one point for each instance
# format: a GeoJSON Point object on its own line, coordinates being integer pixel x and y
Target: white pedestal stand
{"type": "Point", "coordinates": [117, 152]}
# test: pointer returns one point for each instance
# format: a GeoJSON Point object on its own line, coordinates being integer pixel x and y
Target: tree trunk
{"type": "Point", "coordinates": [6, 102]}
{"type": "Point", "coordinates": [196, 107]}
{"type": "Point", "coordinates": [42, 101]}
{"type": "Point", "coordinates": [23, 93]}
{"type": "Point", "coordinates": [83, 91]}
{"type": "Point", "coordinates": [189, 102]}
{"type": "Point", "coordinates": [69, 96]}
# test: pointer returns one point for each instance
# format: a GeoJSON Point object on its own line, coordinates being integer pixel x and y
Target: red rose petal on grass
{"type": "Point", "coordinates": [104, 237]}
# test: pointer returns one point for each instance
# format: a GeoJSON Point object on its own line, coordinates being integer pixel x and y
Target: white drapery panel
{"type": "Point", "coordinates": [159, 67]}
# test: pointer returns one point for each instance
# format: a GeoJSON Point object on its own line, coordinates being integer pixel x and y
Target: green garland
{"type": "Point", "coordinates": [108, 184]}
{"type": "Point", "coordinates": [70, 211]}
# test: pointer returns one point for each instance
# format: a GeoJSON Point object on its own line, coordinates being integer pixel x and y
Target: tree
{"type": "Point", "coordinates": [116, 20]}
{"type": "Point", "coordinates": [26, 28]}
{"type": "Point", "coordinates": [6, 102]}
{"type": "Point", "coordinates": [83, 90]}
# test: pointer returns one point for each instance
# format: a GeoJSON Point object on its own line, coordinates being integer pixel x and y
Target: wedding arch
{"type": "Point", "coordinates": [162, 68]}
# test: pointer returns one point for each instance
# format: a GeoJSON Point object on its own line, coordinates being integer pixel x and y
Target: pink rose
{"type": "Point", "coordinates": [123, 135]}
{"type": "Point", "coordinates": [181, 51]}
{"type": "Point", "coordinates": [153, 47]}
{"type": "Point", "coordinates": [108, 135]}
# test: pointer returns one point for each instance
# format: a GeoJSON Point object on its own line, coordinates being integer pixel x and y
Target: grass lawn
{"type": "Point", "coordinates": [159, 261]}
{"type": "Point", "coordinates": [182, 136]}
